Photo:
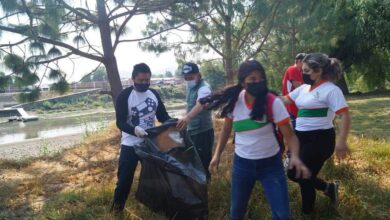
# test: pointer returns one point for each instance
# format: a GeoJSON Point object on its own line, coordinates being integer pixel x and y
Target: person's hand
{"type": "Point", "coordinates": [213, 167]}
{"type": "Point", "coordinates": [183, 122]}
{"type": "Point", "coordinates": [341, 150]}
{"type": "Point", "coordinates": [140, 132]}
{"type": "Point", "coordinates": [301, 171]}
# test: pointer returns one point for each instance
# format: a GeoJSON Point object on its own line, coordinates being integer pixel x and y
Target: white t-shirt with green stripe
{"type": "Point", "coordinates": [317, 105]}
{"type": "Point", "coordinates": [256, 139]}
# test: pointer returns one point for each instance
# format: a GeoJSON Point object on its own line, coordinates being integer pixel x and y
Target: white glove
{"type": "Point", "coordinates": [140, 132]}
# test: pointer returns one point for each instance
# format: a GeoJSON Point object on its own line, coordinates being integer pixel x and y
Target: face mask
{"type": "Point", "coordinates": [307, 80]}
{"type": "Point", "coordinates": [141, 87]}
{"type": "Point", "coordinates": [191, 83]}
{"type": "Point", "coordinates": [257, 89]}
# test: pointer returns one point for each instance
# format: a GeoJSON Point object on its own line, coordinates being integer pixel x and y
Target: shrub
{"type": "Point", "coordinates": [47, 105]}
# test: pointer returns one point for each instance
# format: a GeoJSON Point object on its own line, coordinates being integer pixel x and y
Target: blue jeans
{"type": "Point", "coordinates": [128, 161]}
{"type": "Point", "coordinates": [269, 171]}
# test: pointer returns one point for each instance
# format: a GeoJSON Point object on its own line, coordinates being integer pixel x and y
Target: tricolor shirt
{"type": "Point", "coordinates": [256, 139]}
{"type": "Point", "coordinates": [317, 105]}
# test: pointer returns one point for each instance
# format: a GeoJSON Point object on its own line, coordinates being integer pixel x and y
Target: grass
{"type": "Point", "coordinates": [79, 183]}
{"type": "Point", "coordinates": [371, 116]}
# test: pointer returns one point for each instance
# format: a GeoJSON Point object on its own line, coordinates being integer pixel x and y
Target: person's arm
{"type": "Point", "coordinates": [341, 148]}
{"type": "Point", "coordinates": [121, 112]}
{"type": "Point", "coordinates": [338, 104]}
{"type": "Point", "coordinates": [285, 99]}
{"type": "Point", "coordinates": [292, 96]}
{"type": "Point", "coordinates": [301, 171]}
{"type": "Point", "coordinates": [296, 83]}
{"type": "Point", "coordinates": [223, 139]}
{"type": "Point", "coordinates": [183, 122]}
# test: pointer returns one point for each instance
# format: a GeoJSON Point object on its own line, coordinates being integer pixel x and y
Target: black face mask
{"type": "Point", "coordinates": [141, 87]}
{"type": "Point", "coordinates": [257, 89]}
{"type": "Point", "coordinates": [307, 80]}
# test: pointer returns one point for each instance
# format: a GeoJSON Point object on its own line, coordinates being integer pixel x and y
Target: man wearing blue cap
{"type": "Point", "coordinates": [198, 120]}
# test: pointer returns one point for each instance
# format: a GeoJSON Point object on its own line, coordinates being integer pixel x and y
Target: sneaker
{"type": "Point", "coordinates": [332, 192]}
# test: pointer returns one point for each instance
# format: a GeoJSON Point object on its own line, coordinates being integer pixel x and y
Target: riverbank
{"type": "Point", "coordinates": [15, 149]}
{"type": "Point", "coordinates": [37, 147]}
{"type": "Point", "coordinates": [170, 106]}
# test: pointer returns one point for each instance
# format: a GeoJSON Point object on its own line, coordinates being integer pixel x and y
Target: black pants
{"type": "Point", "coordinates": [128, 161]}
{"type": "Point", "coordinates": [315, 148]}
{"type": "Point", "coordinates": [204, 144]}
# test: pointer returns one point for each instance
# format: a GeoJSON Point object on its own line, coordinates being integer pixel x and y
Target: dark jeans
{"type": "Point", "coordinates": [315, 148]}
{"type": "Point", "coordinates": [204, 142]}
{"type": "Point", "coordinates": [128, 161]}
{"type": "Point", "coordinates": [270, 173]}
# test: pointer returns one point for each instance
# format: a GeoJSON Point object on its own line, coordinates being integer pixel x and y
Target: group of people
{"type": "Point", "coordinates": [255, 115]}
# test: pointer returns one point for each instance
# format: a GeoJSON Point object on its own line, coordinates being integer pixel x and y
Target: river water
{"type": "Point", "coordinates": [11, 132]}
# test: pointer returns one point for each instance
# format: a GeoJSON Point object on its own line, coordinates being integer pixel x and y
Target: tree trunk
{"type": "Point", "coordinates": [293, 41]}
{"type": "Point", "coordinates": [109, 57]}
{"type": "Point", "coordinates": [228, 60]}
{"type": "Point", "coordinates": [228, 65]}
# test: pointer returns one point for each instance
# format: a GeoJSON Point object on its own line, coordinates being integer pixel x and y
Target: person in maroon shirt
{"type": "Point", "coordinates": [292, 79]}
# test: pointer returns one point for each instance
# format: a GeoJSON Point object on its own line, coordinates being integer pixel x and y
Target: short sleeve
{"type": "Point", "coordinates": [292, 96]}
{"type": "Point", "coordinates": [336, 101]}
{"type": "Point", "coordinates": [203, 92]}
{"type": "Point", "coordinates": [279, 111]}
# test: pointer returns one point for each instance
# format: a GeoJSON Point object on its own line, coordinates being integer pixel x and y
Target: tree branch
{"type": "Point", "coordinates": [10, 15]}
{"type": "Point", "coordinates": [153, 35]}
{"type": "Point", "coordinates": [120, 4]}
{"type": "Point", "coordinates": [207, 40]}
{"type": "Point", "coordinates": [122, 27]}
{"type": "Point", "coordinates": [214, 20]}
{"type": "Point", "coordinates": [259, 48]}
{"type": "Point", "coordinates": [219, 7]}
{"type": "Point", "coordinates": [94, 70]}
{"type": "Point", "coordinates": [54, 42]}
{"type": "Point", "coordinates": [91, 46]}
{"type": "Point", "coordinates": [16, 43]}
{"type": "Point", "coordinates": [248, 34]}
{"type": "Point", "coordinates": [86, 15]}
{"type": "Point", "coordinates": [248, 14]}
{"type": "Point", "coordinates": [54, 59]}
{"type": "Point", "coordinates": [144, 8]}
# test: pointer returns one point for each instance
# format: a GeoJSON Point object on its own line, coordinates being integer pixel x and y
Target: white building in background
{"type": "Point", "coordinates": [45, 87]}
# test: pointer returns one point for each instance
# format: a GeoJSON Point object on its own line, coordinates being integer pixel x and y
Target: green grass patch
{"type": "Point", "coordinates": [371, 117]}
{"type": "Point", "coordinates": [78, 205]}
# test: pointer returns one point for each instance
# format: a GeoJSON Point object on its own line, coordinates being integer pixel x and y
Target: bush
{"type": "Point", "coordinates": [47, 105]}
{"type": "Point", "coordinates": [105, 98]}
{"type": "Point", "coordinates": [96, 104]}
{"type": "Point", "coordinates": [171, 92]}
{"type": "Point", "coordinates": [60, 106]}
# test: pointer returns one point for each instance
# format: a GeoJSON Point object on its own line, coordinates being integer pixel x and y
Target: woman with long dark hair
{"type": "Point", "coordinates": [252, 112]}
{"type": "Point", "coordinates": [318, 101]}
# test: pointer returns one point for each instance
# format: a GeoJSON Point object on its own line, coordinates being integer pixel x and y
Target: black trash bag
{"type": "Point", "coordinates": [172, 179]}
